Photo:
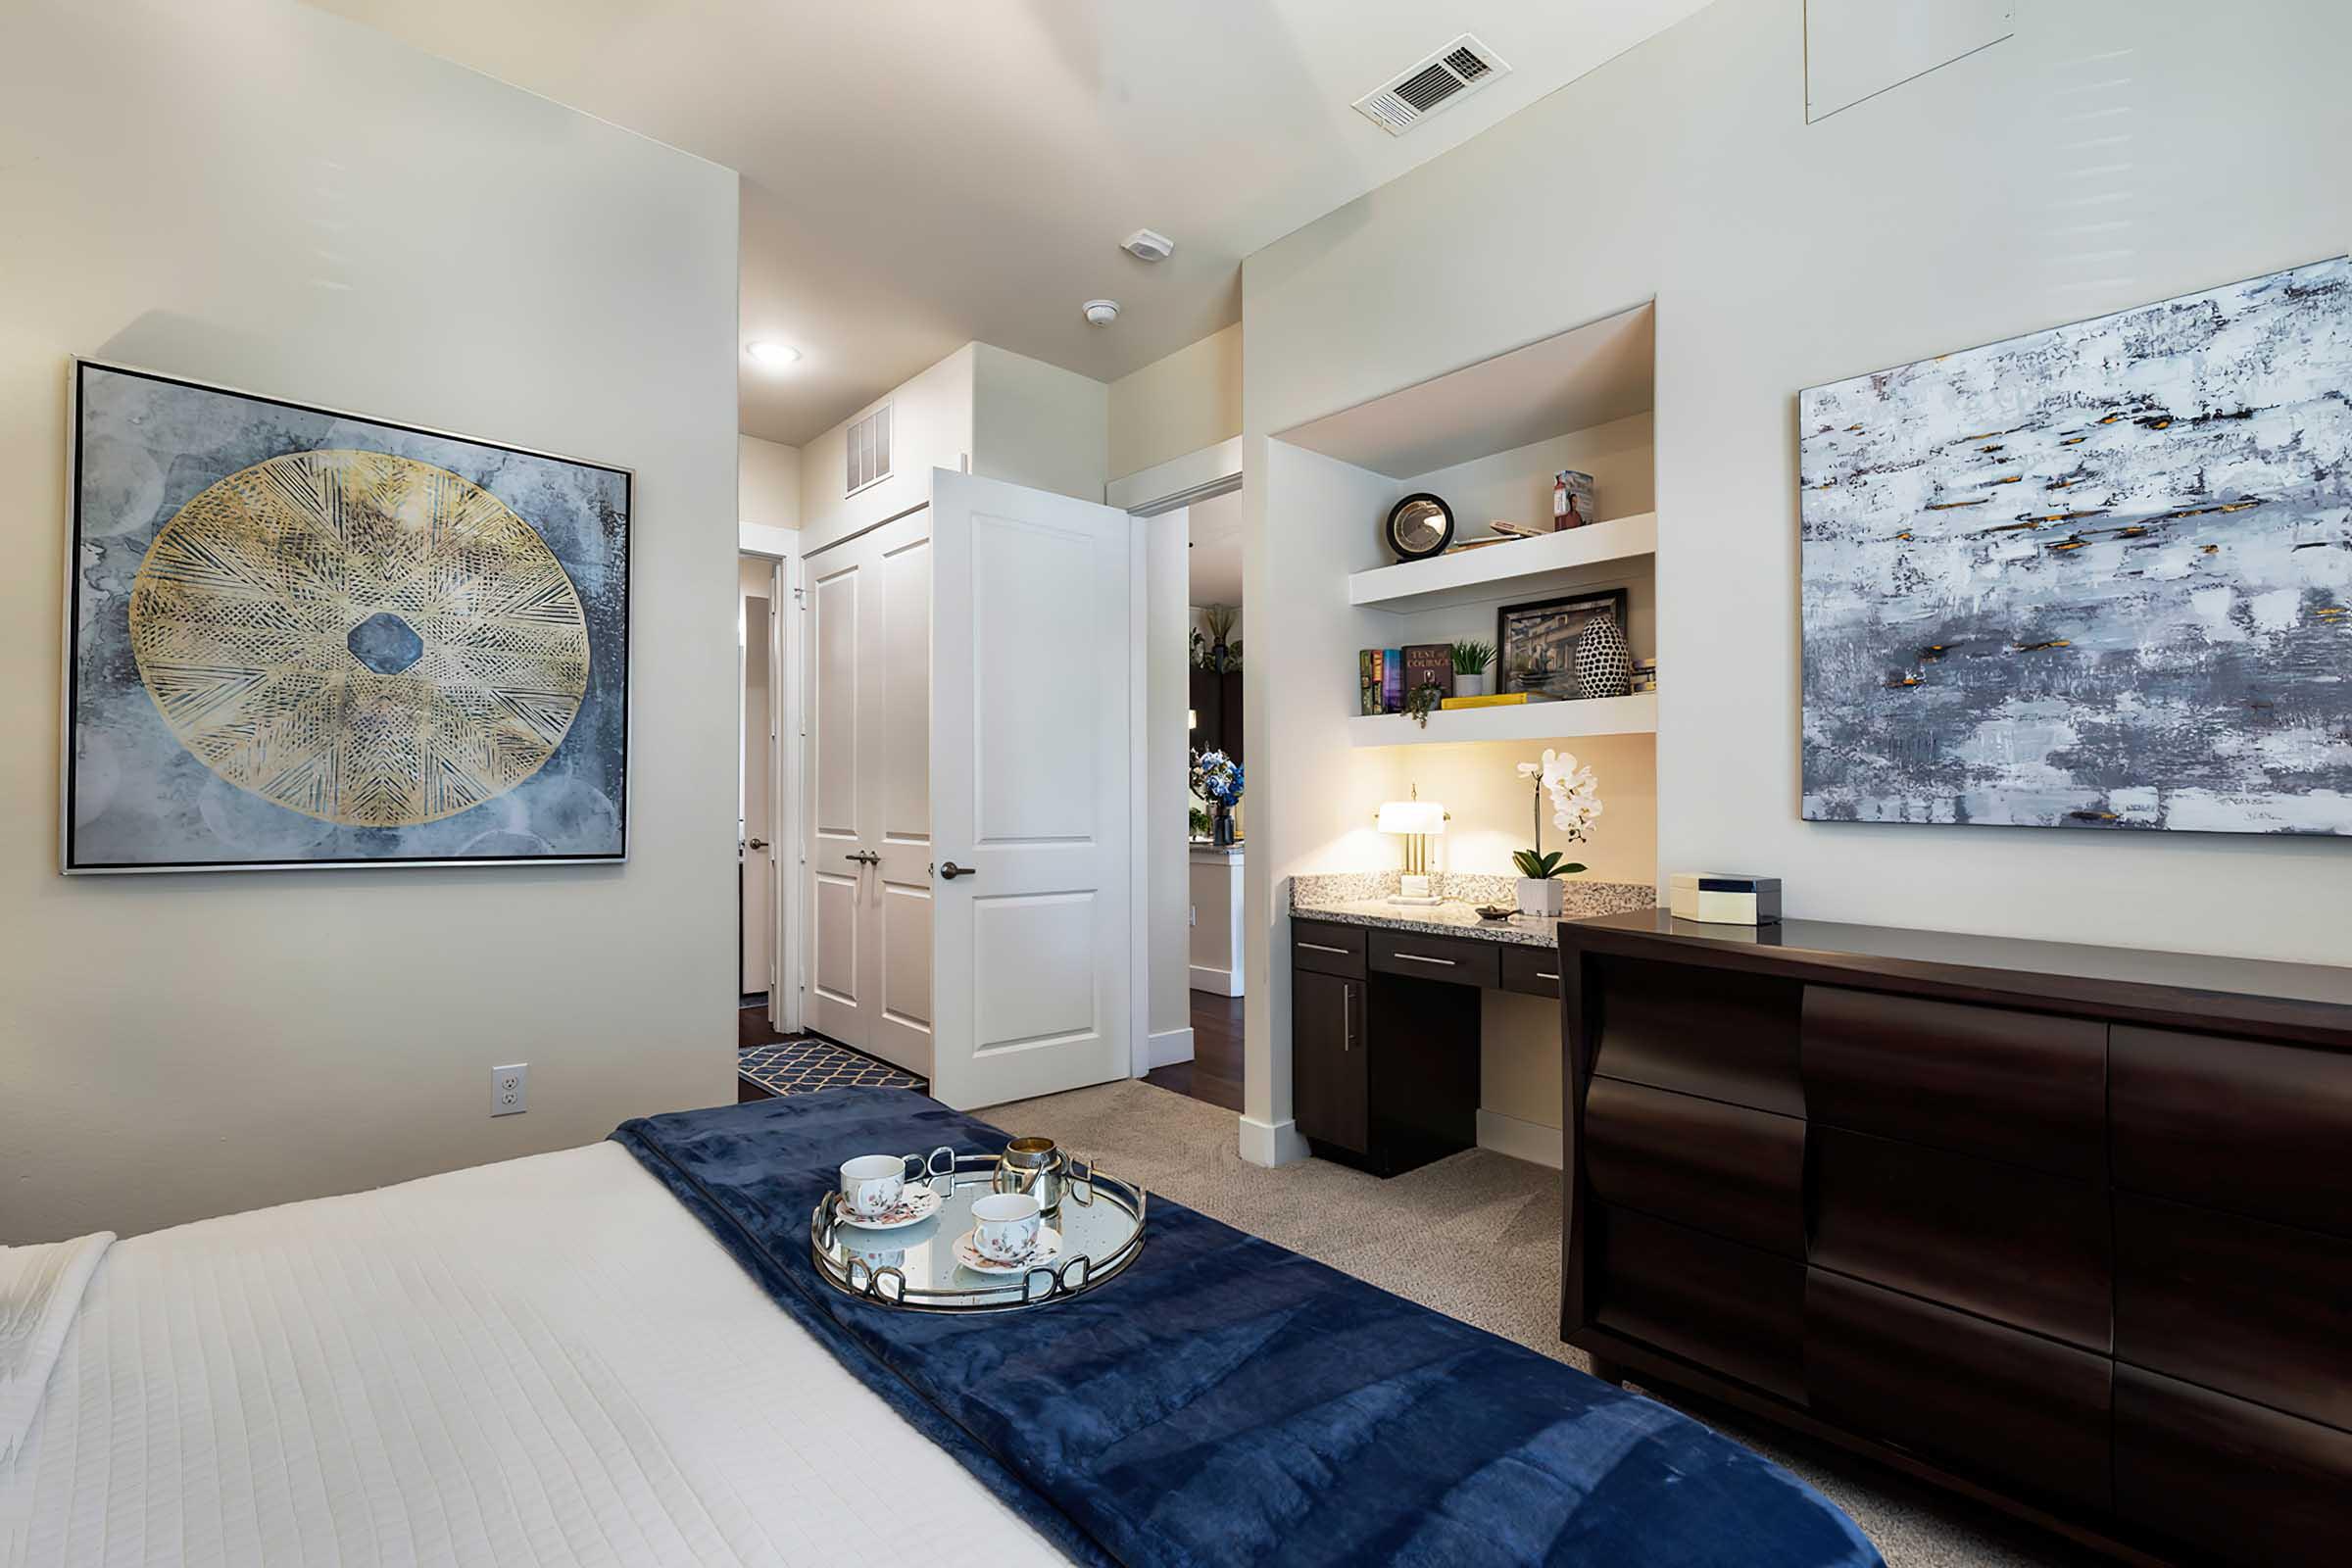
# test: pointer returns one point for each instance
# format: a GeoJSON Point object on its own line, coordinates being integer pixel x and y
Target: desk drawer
{"type": "Point", "coordinates": [1533, 970]}
{"type": "Point", "coordinates": [1447, 959]}
{"type": "Point", "coordinates": [1721, 1305]}
{"type": "Point", "coordinates": [1328, 949]}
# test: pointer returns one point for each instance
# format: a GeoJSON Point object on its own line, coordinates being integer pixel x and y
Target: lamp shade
{"type": "Point", "coordinates": [1412, 816]}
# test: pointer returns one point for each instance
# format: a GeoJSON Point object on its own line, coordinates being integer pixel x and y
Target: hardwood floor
{"type": "Point", "coordinates": [1214, 1074]}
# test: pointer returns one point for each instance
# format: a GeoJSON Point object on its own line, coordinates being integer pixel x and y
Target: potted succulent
{"type": "Point", "coordinates": [1575, 804]}
{"type": "Point", "coordinates": [1470, 661]}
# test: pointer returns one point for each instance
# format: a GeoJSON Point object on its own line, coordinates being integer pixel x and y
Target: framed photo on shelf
{"type": "Point", "coordinates": [1536, 643]}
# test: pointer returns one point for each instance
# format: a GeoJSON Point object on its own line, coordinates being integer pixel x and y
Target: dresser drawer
{"type": "Point", "coordinates": [1986, 1401]}
{"type": "Point", "coordinates": [2228, 1478]}
{"type": "Point", "coordinates": [1731, 1172]}
{"type": "Point", "coordinates": [1699, 1031]}
{"type": "Point", "coordinates": [1425, 957]}
{"type": "Point", "coordinates": [2017, 1245]}
{"type": "Point", "coordinates": [2023, 1086]}
{"type": "Point", "coordinates": [1328, 949]}
{"type": "Point", "coordinates": [1533, 970]}
{"type": "Point", "coordinates": [2250, 1308]}
{"type": "Point", "coordinates": [2260, 1129]}
{"type": "Point", "coordinates": [1728, 1309]}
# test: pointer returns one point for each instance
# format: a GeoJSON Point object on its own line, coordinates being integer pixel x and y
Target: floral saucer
{"type": "Point", "coordinates": [1048, 1248]}
{"type": "Point", "coordinates": [914, 1205]}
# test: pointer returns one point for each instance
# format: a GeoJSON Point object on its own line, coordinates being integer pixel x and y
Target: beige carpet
{"type": "Point", "coordinates": [1478, 1237]}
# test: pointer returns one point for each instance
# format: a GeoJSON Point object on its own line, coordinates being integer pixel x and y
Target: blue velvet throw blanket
{"type": "Point", "coordinates": [1225, 1401]}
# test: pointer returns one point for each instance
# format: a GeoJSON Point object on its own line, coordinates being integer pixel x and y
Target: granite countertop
{"type": "Point", "coordinates": [1361, 899]}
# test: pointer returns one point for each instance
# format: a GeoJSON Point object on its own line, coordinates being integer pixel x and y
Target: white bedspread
{"type": "Point", "coordinates": [541, 1361]}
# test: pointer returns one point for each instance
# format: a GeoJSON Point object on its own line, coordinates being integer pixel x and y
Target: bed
{"type": "Point", "coordinates": [556, 1360]}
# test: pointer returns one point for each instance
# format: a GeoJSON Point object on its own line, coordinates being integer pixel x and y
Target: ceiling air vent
{"type": "Point", "coordinates": [1444, 77]}
{"type": "Point", "coordinates": [867, 450]}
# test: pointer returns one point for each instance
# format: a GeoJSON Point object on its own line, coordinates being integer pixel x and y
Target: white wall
{"type": "Point", "coordinates": [1037, 424]}
{"type": "Point", "coordinates": [257, 193]}
{"type": "Point", "coordinates": [767, 490]}
{"type": "Point", "coordinates": [1189, 400]}
{"type": "Point", "coordinates": [2110, 153]}
{"type": "Point", "coordinates": [931, 427]}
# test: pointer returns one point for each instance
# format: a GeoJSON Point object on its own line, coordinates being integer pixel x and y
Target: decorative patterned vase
{"type": "Point", "coordinates": [1605, 662]}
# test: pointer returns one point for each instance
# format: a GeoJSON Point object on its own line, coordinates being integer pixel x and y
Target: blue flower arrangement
{"type": "Point", "coordinates": [1218, 777]}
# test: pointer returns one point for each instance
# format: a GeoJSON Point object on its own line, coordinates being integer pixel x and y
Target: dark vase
{"type": "Point", "coordinates": [1220, 825]}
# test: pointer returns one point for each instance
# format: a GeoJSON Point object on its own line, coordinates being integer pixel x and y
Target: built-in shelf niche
{"type": "Point", "coordinates": [1487, 439]}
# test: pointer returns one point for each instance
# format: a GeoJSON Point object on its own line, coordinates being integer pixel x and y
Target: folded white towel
{"type": "Point", "coordinates": [40, 1291]}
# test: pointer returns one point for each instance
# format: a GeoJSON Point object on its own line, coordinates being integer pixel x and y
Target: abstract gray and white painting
{"type": "Point", "coordinates": [302, 638]}
{"type": "Point", "coordinates": [2098, 576]}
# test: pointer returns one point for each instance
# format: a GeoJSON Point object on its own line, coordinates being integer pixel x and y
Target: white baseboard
{"type": "Point", "coordinates": [1271, 1142]}
{"type": "Point", "coordinates": [1529, 1140]}
{"type": "Point", "coordinates": [1216, 982]}
{"type": "Point", "coordinates": [1168, 1047]}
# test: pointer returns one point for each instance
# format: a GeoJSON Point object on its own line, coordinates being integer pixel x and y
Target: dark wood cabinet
{"type": "Point", "coordinates": [1330, 1075]}
{"type": "Point", "coordinates": [2065, 1228]}
{"type": "Point", "coordinates": [1383, 1065]}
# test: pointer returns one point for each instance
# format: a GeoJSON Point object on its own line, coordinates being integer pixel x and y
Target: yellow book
{"type": "Point", "coordinates": [1491, 700]}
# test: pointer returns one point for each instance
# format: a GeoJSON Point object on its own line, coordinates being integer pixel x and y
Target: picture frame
{"type": "Point", "coordinates": [302, 638]}
{"type": "Point", "coordinates": [1545, 631]}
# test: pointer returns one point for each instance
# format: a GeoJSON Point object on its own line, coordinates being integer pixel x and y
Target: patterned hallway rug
{"type": "Point", "coordinates": [805, 1067]}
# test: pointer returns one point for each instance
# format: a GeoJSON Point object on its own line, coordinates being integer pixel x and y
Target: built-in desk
{"type": "Point", "coordinates": [1384, 1009]}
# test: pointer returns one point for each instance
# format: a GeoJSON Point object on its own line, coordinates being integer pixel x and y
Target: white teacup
{"type": "Point", "coordinates": [1005, 1226]}
{"type": "Point", "coordinates": [871, 1183]}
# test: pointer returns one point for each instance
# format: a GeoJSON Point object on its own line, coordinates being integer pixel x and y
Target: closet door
{"type": "Point", "coordinates": [898, 724]}
{"type": "Point", "coordinates": [869, 830]}
{"type": "Point", "coordinates": [840, 816]}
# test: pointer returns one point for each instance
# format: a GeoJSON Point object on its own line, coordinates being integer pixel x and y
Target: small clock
{"type": "Point", "coordinates": [1419, 527]}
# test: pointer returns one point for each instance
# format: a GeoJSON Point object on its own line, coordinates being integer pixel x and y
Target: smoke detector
{"type": "Point", "coordinates": [1437, 81]}
{"type": "Point", "coordinates": [1100, 312]}
{"type": "Point", "coordinates": [1149, 245]}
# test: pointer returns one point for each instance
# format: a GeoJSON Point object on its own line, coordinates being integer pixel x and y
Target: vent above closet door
{"type": "Point", "coordinates": [867, 450]}
{"type": "Point", "coordinates": [1442, 78]}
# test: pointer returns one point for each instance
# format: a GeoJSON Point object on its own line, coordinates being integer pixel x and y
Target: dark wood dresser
{"type": "Point", "coordinates": [2067, 1228]}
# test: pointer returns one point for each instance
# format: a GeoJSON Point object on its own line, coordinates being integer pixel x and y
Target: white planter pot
{"type": "Point", "coordinates": [1541, 894]}
{"type": "Point", "coordinates": [1479, 685]}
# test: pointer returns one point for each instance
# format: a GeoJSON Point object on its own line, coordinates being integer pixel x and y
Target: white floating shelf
{"type": "Point", "coordinates": [1464, 574]}
{"type": "Point", "coordinates": [1525, 722]}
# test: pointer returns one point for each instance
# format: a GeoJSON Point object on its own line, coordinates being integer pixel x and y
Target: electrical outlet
{"type": "Point", "coordinates": [510, 1090]}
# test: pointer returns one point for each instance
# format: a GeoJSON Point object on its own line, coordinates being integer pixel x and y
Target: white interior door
{"type": "Point", "coordinates": [1034, 775]}
{"type": "Point", "coordinates": [839, 815]}
{"type": "Point", "coordinates": [754, 845]}
{"type": "Point", "coordinates": [868, 761]}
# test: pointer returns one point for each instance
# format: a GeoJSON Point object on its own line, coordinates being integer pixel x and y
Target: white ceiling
{"type": "Point", "coordinates": [919, 173]}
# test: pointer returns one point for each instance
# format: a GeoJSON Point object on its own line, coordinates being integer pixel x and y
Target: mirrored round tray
{"type": "Point", "coordinates": [1100, 1221]}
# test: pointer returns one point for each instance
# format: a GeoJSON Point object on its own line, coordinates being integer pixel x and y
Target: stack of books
{"type": "Point", "coordinates": [1498, 700]}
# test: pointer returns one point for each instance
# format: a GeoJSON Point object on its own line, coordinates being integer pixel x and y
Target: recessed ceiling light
{"type": "Point", "coordinates": [776, 356]}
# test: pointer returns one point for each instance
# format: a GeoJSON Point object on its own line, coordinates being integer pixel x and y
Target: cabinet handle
{"type": "Point", "coordinates": [1346, 1017]}
{"type": "Point", "coordinates": [1546, 975]}
{"type": "Point", "coordinates": [1318, 946]}
{"type": "Point", "coordinates": [1423, 957]}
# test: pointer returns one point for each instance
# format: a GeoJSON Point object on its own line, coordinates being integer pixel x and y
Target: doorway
{"type": "Point", "coordinates": [759, 928]}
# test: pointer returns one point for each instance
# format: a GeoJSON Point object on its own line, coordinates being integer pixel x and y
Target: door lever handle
{"type": "Point", "coordinates": [865, 858]}
{"type": "Point", "coordinates": [756, 844]}
{"type": "Point", "coordinates": [951, 870]}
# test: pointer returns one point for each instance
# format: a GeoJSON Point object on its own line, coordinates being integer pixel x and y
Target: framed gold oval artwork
{"type": "Point", "coordinates": [303, 638]}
